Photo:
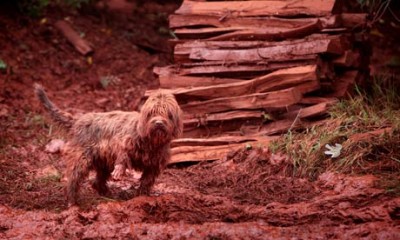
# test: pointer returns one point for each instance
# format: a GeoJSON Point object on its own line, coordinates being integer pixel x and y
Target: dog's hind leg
{"type": "Point", "coordinates": [79, 166]}
{"type": "Point", "coordinates": [102, 175]}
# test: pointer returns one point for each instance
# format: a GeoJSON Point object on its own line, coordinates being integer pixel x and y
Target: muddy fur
{"type": "Point", "coordinates": [110, 142]}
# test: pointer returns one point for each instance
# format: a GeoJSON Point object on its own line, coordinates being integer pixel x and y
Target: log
{"type": "Point", "coordinates": [210, 153]}
{"type": "Point", "coordinates": [198, 21]}
{"type": "Point", "coordinates": [271, 100]}
{"type": "Point", "coordinates": [217, 141]}
{"type": "Point", "coordinates": [353, 20]}
{"type": "Point", "coordinates": [80, 44]}
{"type": "Point", "coordinates": [348, 59]}
{"type": "Point", "coordinates": [236, 123]}
{"type": "Point", "coordinates": [310, 100]}
{"type": "Point", "coordinates": [231, 128]}
{"type": "Point", "coordinates": [328, 46]}
{"type": "Point", "coordinates": [245, 33]}
{"type": "Point", "coordinates": [270, 33]}
{"type": "Point", "coordinates": [276, 127]}
{"type": "Point", "coordinates": [284, 78]}
{"type": "Point", "coordinates": [307, 112]}
{"type": "Point", "coordinates": [257, 8]}
{"type": "Point", "coordinates": [183, 50]}
{"type": "Point", "coordinates": [344, 84]}
{"type": "Point", "coordinates": [229, 69]}
{"type": "Point", "coordinates": [177, 81]}
{"type": "Point", "coordinates": [196, 120]}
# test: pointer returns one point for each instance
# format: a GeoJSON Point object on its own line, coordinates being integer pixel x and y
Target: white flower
{"type": "Point", "coordinates": [333, 151]}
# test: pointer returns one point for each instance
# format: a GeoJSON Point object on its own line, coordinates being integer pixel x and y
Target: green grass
{"type": "Point", "coordinates": [373, 108]}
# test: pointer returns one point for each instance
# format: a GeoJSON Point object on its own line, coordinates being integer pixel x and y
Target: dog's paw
{"type": "Point", "coordinates": [119, 172]}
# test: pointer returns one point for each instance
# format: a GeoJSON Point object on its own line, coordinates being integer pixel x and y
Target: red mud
{"type": "Point", "coordinates": [250, 195]}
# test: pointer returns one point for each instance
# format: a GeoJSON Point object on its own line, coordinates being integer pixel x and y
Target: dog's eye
{"type": "Point", "coordinates": [171, 116]}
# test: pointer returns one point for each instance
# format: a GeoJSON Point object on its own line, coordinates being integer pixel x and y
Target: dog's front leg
{"type": "Point", "coordinates": [147, 180]}
{"type": "Point", "coordinates": [121, 163]}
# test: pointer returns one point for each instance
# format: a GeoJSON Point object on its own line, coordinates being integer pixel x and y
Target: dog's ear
{"type": "Point", "coordinates": [178, 130]}
{"type": "Point", "coordinates": [141, 127]}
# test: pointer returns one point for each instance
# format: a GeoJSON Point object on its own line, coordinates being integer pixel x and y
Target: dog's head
{"type": "Point", "coordinates": [160, 118]}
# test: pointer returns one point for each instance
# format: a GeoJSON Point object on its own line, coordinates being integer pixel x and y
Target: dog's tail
{"type": "Point", "coordinates": [59, 116]}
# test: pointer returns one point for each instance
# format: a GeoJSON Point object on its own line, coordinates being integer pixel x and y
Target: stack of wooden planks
{"type": "Point", "coordinates": [245, 70]}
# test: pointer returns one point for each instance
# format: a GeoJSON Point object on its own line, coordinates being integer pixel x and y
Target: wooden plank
{"type": "Point", "coordinates": [232, 69]}
{"type": "Point", "coordinates": [250, 33]}
{"type": "Point", "coordinates": [310, 100]}
{"type": "Point", "coordinates": [178, 81]}
{"type": "Point", "coordinates": [209, 153]}
{"type": "Point", "coordinates": [80, 44]}
{"type": "Point", "coordinates": [212, 119]}
{"type": "Point", "coordinates": [196, 120]}
{"type": "Point", "coordinates": [280, 79]}
{"type": "Point", "coordinates": [270, 100]}
{"type": "Point", "coordinates": [197, 21]}
{"type": "Point", "coordinates": [353, 20]}
{"type": "Point", "coordinates": [348, 59]}
{"type": "Point", "coordinates": [183, 50]}
{"type": "Point", "coordinates": [224, 140]}
{"type": "Point", "coordinates": [306, 112]}
{"type": "Point", "coordinates": [330, 46]}
{"type": "Point", "coordinates": [270, 33]}
{"type": "Point", "coordinates": [276, 127]}
{"type": "Point", "coordinates": [344, 84]}
{"type": "Point", "coordinates": [257, 8]}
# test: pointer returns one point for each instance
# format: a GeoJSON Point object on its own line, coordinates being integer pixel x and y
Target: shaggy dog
{"type": "Point", "coordinates": [109, 142]}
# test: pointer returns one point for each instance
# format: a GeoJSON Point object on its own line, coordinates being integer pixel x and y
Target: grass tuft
{"type": "Point", "coordinates": [366, 125]}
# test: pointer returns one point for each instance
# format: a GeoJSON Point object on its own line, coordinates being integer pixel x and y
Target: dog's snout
{"type": "Point", "coordinates": [159, 123]}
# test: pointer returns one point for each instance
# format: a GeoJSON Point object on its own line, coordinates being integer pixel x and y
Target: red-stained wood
{"type": "Point", "coordinates": [218, 140]}
{"type": "Point", "coordinates": [270, 100]}
{"type": "Point", "coordinates": [270, 33]}
{"type": "Point", "coordinates": [182, 50]}
{"type": "Point", "coordinates": [344, 84]}
{"type": "Point", "coordinates": [231, 69]}
{"type": "Point", "coordinates": [203, 21]}
{"type": "Point", "coordinates": [225, 9]}
{"type": "Point", "coordinates": [303, 77]}
{"type": "Point", "coordinates": [305, 112]}
{"type": "Point", "coordinates": [80, 44]}
{"type": "Point", "coordinates": [353, 20]}
{"type": "Point", "coordinates": [329, 46]}
{"type": "Point", "coordinates": [210, 153]}
{"type": "Point", "coordinates": [172, 80]}
{"type": "Point", "coordinates": [348, 59]}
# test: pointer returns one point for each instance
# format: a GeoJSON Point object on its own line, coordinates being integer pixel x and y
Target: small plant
{"type": "Point", "coordinates": [371, 109]}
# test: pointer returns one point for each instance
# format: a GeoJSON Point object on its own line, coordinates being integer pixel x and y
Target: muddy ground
{"type": "Point", "coordinates": [252, 194]}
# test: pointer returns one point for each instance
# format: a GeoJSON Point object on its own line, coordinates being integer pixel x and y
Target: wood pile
{"type": "Point", "coordinates": [245, 70]}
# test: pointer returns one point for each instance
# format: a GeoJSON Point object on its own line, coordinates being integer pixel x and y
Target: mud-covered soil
{"type": "Point", "coordinates": [252, 194]}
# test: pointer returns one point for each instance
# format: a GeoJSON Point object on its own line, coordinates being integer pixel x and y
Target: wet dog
{"type": "Point", "coordinates": [109, 142]}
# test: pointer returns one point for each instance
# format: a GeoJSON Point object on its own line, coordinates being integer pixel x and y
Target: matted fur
{"type": "Point", "coordinates": [111, 141]}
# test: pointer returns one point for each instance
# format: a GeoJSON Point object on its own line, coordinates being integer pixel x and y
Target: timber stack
{"type": "Point", "coordinates": [247, 70]}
